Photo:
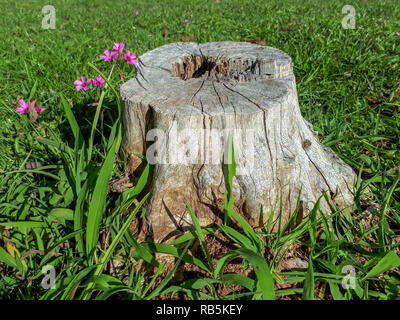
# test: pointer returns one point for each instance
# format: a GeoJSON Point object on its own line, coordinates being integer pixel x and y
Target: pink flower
{"type": "Point", "coordinates": [98, 82]}
{"type": "Point", "coordinates": [24, 107]}
{"type": "Point", "coordinates": [186, 21]}
{"type": "Point", "coordinates": [118, 48]}
{"type": "Point", "coordinates": [109, 56]}
{"type": "Point", "coordinates": [82, 84]}
{"type": "Point", "coordinates": [137, 13]}
{"type": "Point", "coordinates": [130, 58]}
{"type": "Point", "coordinates": [39, 108]}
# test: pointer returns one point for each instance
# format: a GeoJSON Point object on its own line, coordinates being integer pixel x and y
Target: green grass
{"type": "Point", "coordinates": [348, 87]}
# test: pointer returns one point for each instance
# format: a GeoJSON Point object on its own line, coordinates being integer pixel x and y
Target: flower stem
{"type": "Point", "coordinates": [97, 114]}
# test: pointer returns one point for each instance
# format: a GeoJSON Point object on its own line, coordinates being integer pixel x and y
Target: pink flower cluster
{"type": "Point", "coordinates": [116, 53]}
{"type": "Point", "coordinates": [83, 83]}
{"type": "Point", "coordinates": [24, 107]}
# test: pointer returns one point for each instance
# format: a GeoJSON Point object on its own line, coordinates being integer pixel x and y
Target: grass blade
{"type": "Point", "coordinates": [389, 261]}
{"type": "Point", "coordinates": [309, 282]}
{"type": "Point", "coordinates": [200, 234]}
{"type": "Point", "coordinates": [98, 200]}
{"type": "Point", "coordinates": [108, 254]}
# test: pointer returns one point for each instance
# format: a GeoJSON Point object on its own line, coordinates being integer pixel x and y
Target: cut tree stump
{"type": "Point", "coordinates": [186, 99]}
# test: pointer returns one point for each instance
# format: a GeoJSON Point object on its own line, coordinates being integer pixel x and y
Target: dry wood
{"type": "Point", "coordinates": [227, 86]}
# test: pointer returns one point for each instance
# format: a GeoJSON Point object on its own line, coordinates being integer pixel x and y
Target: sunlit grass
{"type": "Point", "coordinates": [348, 86]}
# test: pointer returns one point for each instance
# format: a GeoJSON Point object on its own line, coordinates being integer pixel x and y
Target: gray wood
{"type": "Point", "coordinates": [227, 85]}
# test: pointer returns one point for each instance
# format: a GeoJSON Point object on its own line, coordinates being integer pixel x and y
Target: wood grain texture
{"type": "Point", "coordinates": [227, 86]}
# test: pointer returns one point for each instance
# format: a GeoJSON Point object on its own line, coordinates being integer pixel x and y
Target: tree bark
{"type": "Point", "coordinates": [215, 89]}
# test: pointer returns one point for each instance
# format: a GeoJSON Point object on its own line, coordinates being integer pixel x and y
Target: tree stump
{"type": "Point", "coordinates": [179, 110]}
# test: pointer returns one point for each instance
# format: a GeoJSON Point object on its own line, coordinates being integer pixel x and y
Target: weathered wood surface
{"type": "Point", "coordinates": [233, 86]}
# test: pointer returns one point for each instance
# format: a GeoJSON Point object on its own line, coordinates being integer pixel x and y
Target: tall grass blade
{"type": "Point", "coordinates": [200, 234]}
{"type": "Point", "coordinates": [98, 201]}
{"type": "Point", "coordinates": [108, 254]}
{"type": "Point", "coordinates": [309, 282]}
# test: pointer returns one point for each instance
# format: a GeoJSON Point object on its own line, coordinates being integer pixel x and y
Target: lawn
{"type": "Point", "coordinates": [53, 167]}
